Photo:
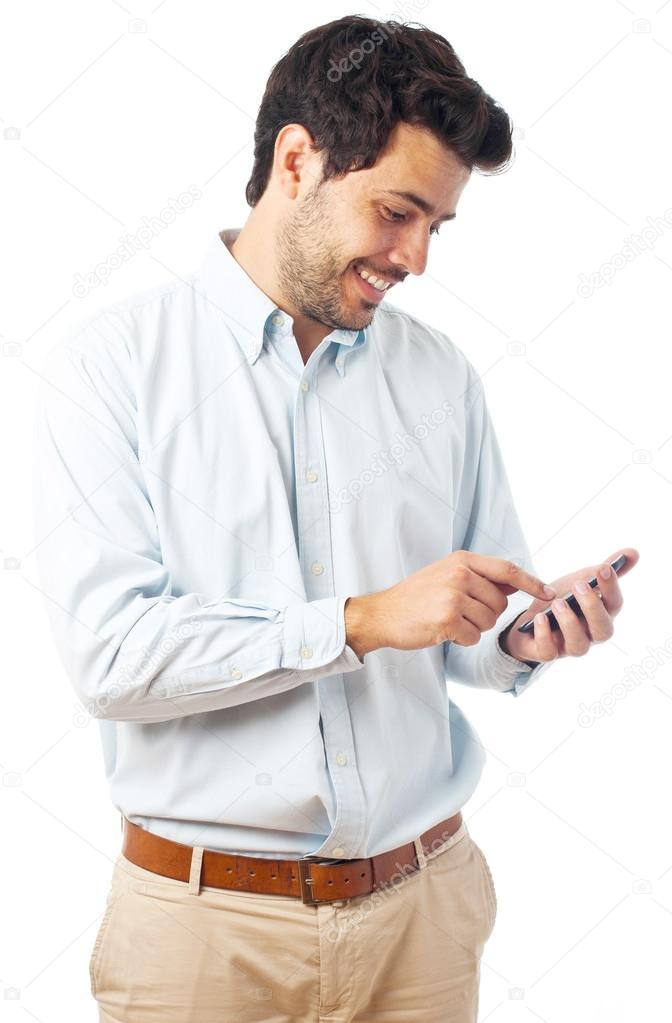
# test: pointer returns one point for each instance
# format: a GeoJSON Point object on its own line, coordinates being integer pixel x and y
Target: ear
{"type": "Point", "coordinates": [294, 160]}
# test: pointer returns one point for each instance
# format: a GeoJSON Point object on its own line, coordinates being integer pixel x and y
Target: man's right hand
{"type": "Point", "coordinates": [456, 599]}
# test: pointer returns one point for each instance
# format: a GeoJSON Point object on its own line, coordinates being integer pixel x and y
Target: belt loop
{"type": "Point", "coordinates": [419, 853]}
{"type": "Point", "coordinates": [195, 872]}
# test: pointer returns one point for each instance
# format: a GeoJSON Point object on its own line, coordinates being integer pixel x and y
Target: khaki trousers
{"type": "Point", "coordinates": [176, 952]}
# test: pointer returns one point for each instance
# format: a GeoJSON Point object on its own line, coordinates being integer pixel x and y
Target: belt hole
{"type": "Point", "coordinates": [229, 870]}
{"type": "Point", "coordinates": [251, 873]}
{"type": "Point", "coordinates": [274, 876]}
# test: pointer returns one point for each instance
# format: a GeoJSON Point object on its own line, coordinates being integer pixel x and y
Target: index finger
{"type": "Point", "coordinates": [499, 570]}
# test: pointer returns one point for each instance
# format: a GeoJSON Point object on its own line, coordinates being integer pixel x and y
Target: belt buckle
{"type": "Point", "coordinates": [305, 881]}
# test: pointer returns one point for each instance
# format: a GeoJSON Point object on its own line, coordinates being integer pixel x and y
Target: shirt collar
{"type": "Point", "coordinates": [248, 310]}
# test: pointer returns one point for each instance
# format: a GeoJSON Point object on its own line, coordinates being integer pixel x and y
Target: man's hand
{"type": "Point", "coordinates": [456, 599]}
{"type": "Point", "coordinates": [575, 635]}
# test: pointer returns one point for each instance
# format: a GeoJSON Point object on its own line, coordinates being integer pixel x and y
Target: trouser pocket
{"type": "Point", "coordinates": [98, 944]}
{"type": "Point", "coordinates": [113, 896]}
{"type": "Point", "coordinates": [489, 884]}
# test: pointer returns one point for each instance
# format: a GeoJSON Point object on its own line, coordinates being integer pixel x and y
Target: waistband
{"type": "Point", "coordinates": [314, 880]}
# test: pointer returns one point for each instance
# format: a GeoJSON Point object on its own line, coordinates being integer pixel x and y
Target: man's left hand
{"type": "Point", "coordinates": [576, 635]}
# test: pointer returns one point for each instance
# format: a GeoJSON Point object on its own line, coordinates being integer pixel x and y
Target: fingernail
{"type": "Point", "coordinates": [558, 605]}
{"type": "Point", "coordinates": [549, 591]}
{"type": "Point", "coordinates": [581, 587]}
{"type": "Point", "coordinates": [605, 572]}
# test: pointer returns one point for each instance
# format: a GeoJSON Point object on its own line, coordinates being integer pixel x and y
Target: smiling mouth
{"type": "Point", "coordinates": [369, 290]}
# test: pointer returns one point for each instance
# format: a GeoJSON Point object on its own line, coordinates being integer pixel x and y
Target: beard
{"type": "Point", "coordinates": [310, 273]}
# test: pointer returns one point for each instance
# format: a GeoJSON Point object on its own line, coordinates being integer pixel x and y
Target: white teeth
{"type": "Point", "coordinates": [378, 283]}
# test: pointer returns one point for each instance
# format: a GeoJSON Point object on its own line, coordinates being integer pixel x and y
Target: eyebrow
{"type": "Point", "coordinates": [418, 201]}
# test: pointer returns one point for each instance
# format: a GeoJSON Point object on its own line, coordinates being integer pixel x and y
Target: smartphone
{"type": "Point", "coordinates": [617, 565]}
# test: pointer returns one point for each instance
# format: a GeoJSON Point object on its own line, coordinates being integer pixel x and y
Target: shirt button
{"type": "Point", "coordinates": [306, 651]}
{"type": "Point", "coordinates": [317, 568]}
{"type": "Point", "coordinates": [311, 476]}
{"type": "Point", "coordinates": [277, 319]}
{"type": "Point", "coordinates": [304, 385]}
{"type": "Point", "coordinates": [338, 851]}
{"type": "Point", "coordinates": [341, 759]}
{"type": "Point", "coordinates": [235, 673]}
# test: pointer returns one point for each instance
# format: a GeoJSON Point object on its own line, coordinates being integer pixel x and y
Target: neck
{"type": "Point", "coordinates": [251, 249]}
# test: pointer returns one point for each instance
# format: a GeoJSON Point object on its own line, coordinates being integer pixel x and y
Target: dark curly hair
{"type": "Point", "coordinates": [350, 82]}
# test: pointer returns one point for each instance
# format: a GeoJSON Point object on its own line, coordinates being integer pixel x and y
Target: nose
{"type": "Point", "coordinates": [411, 251]}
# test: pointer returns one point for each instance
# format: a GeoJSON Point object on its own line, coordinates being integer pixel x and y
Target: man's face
{"type": "Point", "coordinates": [341, 227]}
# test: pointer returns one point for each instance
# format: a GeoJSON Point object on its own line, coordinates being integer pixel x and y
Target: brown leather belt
{"type": "Point", "coordinates": [315, 880]}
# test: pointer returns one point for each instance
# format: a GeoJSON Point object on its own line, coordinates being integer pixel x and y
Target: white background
{"type": "Point", "coordinates": [114, 116]}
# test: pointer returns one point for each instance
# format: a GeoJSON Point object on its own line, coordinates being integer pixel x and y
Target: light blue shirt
{"type": "Point", "coordinates": [204, 505]}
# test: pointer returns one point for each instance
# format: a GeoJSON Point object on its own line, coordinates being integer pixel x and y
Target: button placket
{"type": "Point", "coordinates": [315, 552]}
{"type": "Point", "coordinates": [350, 819]}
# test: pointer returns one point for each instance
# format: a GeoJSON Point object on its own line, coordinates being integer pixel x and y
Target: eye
{"type": "Point", "coordinates": [395, 216]}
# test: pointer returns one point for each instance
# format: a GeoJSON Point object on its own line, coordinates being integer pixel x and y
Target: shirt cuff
{"type": "Point", "coordinates": [314, 636]}
{"type": "Point", "coordinates": [519, 674]}
{"type": "Point", "coordinates": [499, 670]}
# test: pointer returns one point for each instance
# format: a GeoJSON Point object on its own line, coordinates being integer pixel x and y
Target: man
{"type": "Point", "coordinates": [274, 520]}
